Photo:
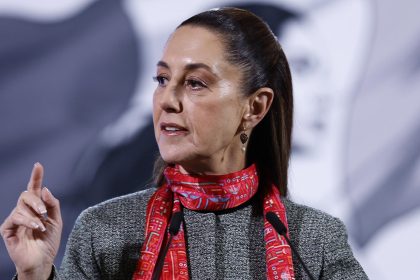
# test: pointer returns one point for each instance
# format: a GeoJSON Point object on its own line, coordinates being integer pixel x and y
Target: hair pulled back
{"type": "Point", "coordinates": [252, 46]}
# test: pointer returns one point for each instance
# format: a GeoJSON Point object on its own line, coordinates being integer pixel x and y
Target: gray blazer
{"type": "Point", "coordinates": [106, 241]}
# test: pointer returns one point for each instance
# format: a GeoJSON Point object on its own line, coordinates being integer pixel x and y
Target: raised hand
{"type": "Point", "coordinates": [32, 231]}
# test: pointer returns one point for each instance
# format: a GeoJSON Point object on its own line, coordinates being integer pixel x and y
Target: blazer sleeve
{"type": "Point", "coordinates": [79, 260]}
{"type": "Point", "coordinates": [338, 260]}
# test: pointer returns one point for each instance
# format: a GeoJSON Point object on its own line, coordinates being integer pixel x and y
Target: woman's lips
{"type": "Point", "coordinates": [172, 129]}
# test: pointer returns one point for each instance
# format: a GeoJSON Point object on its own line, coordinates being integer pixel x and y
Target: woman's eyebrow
{"type": "Point", "coordinates": [194, 66]}
{"type": "Point", "coordinates": [163, 64]}
{"type": "Point", "coordinates": [189, 67]}
{"type": "Point", "coordinates": [198, 65]}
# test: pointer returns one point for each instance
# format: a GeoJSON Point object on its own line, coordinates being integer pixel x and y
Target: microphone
{"type": "Point", "coordinates": [174, 227]}
{"type": "Point", "coordinates": [175, 224]}
{"type": "Point", "coordinates": [282, 230]}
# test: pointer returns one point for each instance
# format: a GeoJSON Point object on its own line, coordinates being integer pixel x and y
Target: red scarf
{"type": "Point", "coordinates": [210, 193]}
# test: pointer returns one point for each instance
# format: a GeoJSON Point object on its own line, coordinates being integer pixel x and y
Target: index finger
{"type": "Point", "coordinates": [35, 182]}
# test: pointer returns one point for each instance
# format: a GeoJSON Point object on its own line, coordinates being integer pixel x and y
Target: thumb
{"type": "Point", "coordinates": [52, 204]}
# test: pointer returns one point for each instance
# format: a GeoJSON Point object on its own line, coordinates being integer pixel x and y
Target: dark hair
{"type": "Point", "coordinates": [252, 46]}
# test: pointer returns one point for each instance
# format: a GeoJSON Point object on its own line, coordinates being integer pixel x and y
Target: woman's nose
{"type": "Point", "coordinates": [170, 100]}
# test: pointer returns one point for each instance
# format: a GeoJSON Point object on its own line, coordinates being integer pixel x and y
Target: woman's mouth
{"type": "Point", "coordinates": [172, 129]}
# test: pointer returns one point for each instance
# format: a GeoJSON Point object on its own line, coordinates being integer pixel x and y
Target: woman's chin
{"type": "Point", "coordinates": [172, 158]}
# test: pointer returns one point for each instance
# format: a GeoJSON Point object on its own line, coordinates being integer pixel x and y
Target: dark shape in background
{"type": "Point", "coordinates": [274, 15]}
{"type": "Point", "coordinates": [61, 83]}
{"type": "Point", "coordinates": [124, 169]}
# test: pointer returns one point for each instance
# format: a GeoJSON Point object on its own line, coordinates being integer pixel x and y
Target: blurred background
{"type": "Point", "coordinates": [76, 88]}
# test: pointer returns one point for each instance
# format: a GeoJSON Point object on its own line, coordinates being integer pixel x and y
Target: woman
{"type": "Point", "coordinates": [223, 118]}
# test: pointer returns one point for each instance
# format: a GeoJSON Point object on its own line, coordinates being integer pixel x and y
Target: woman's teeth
{"type": "Point", "coordinates": [171, 128]}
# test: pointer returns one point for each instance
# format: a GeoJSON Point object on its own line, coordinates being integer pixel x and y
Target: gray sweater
{"type": "Point", "coordinates": [106, 241]}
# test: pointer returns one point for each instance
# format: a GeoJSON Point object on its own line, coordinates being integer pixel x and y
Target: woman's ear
{"type": "Point", "coordinates": [258, 105]}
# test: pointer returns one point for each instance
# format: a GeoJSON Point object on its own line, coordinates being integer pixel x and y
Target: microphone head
{"type": "Point", "coordinates": [175, 224]}
{"type": "Point", "coordinates": [276, 223]}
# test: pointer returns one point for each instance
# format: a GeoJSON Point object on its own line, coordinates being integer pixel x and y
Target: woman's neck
{"type": "Point", "coordinates": [212, 167]}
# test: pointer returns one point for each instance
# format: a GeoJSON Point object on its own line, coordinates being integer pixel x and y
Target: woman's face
{"type": "Point", "coordinates": [197, 105]}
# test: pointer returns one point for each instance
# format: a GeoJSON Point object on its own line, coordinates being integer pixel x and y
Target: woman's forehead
{"type": "Point", "coordinates": [192, 45]}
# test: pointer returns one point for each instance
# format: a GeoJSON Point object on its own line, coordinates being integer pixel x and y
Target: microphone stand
{"type": "Point", "coordinates": [281, 229]}
{"type": "Point", "coordinates": [174, 228]}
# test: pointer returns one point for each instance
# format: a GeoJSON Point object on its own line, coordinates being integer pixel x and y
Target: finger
{"type": "Point", "coordinates": [29, 222]}
{"type": "Point", "coordinates": [33, 201]}
{"type": "Point", "coordinates": [17, 219]}
{"type": "Point", "coordinates": [52, 204]}
{"type": "Point", "coordinates": [27, 215]}
{"type": "Point", "coordinates": [35, 182]}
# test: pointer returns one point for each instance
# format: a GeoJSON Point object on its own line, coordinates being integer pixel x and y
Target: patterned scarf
{"type": "Point", "coordinates": [209, 193]}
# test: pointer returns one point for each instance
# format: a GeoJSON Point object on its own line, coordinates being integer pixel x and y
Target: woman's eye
{"type": "Point", "coordinates": [161, 80]}
{"type": "Point", "coordinates": [195, 84]}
